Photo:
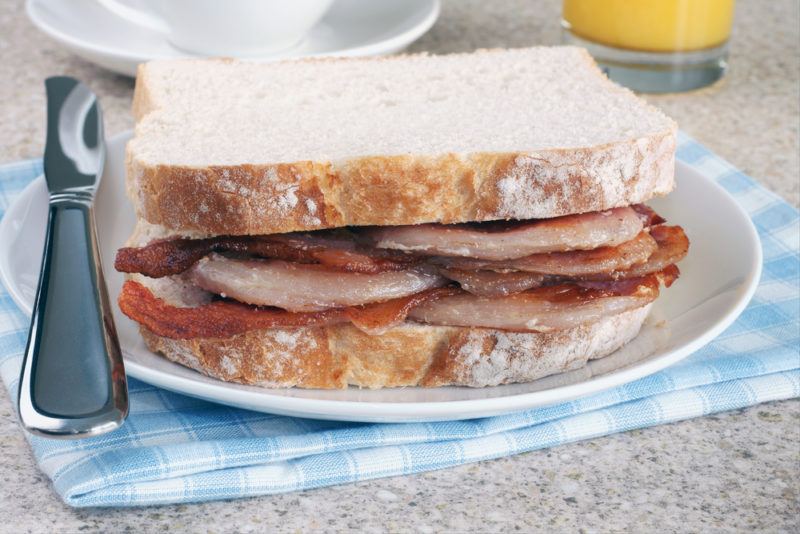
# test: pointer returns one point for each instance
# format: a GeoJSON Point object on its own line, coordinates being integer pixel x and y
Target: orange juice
{"type": "Point", "coordinates": [651, 25]}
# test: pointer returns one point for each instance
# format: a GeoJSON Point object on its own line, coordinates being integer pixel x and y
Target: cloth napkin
{"type": "Point", "coordinates": [175, 448]}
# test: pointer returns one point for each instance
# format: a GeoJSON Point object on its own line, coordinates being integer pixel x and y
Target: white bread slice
{"type": "Point", "coordinates": [228, 147]}
{"type": "Point", "coordinates": [411, 354]}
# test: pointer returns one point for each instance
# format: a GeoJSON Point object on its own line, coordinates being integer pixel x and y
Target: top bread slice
{"type": "Point", "coordinates": [234, 147]}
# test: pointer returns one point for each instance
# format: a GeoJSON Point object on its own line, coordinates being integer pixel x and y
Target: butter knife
{"type": "Point", "coordinates": [72, 382]}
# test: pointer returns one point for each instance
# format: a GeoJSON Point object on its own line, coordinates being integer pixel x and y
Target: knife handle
{"type": "Point", "coordinates": [73, 381]}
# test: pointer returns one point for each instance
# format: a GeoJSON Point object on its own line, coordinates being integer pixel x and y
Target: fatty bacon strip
{"type": "Point", "coordinates": [174, 256]}
{"type": "Point", "coordinates": [506, 241]}
{"type": "Point", "coordinates": [299, 287]}
{"type": "Point", "coordinates": [564, 306]}
{"type": "Point", "coordinates": [574, 263]}
{"type": "Point", "coordinates": [547, 308]}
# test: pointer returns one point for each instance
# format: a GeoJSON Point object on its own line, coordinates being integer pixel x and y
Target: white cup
{"type": "Point", "coordinates": [226, 27]}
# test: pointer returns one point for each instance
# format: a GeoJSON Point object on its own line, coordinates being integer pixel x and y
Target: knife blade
{"type": "Point", "coordinates": [72, 382]}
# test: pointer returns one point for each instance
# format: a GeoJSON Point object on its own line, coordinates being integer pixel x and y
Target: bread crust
{"type": "Point", "coordinates": [409, 355]}
{"type": "Point", "coordinates": [395, 190]}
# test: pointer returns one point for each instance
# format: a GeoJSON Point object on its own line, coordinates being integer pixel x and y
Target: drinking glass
{"type": "Point", "coordinates": [653, 46]}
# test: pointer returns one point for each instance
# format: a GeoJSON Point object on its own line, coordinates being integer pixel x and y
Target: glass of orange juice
{"type": "Point", "coordinates": [653, 46]}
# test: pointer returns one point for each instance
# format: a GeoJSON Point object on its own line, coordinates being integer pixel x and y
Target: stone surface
{"type": "Point", "coordinates": [731, 472]}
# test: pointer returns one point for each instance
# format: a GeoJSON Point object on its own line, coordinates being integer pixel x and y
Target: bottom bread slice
{"type": "Point", "coordinates": [411, 354]}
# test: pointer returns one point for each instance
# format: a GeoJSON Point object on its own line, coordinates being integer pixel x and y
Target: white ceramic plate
{"type": "Point", "coordinates": [718, 278]}
{"type": "Point", "coordinates": [350, 28]}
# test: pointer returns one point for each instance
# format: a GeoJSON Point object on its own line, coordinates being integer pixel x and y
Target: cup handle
{"type": "Point", "coordinates": [136, 16]}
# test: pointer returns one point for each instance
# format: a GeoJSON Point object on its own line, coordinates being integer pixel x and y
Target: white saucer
{"type": "Point", "coordinates": [350, 28]}
{"type": "Point", "coordinates": [718, 279]}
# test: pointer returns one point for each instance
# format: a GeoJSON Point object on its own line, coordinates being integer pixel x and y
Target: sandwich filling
{"type": "Point", "coordinates": [528, 276]}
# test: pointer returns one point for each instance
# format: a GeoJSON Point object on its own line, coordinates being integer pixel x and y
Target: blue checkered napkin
{"type": "Point", "coordinates": [179, 449]}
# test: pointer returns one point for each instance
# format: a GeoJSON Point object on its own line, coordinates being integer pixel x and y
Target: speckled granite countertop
{"type": "Point", "coordinates": [734, 471]}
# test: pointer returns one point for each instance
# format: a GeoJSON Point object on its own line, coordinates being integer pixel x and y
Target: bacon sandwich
{"type": "Point", "coordinates": [466, 219]}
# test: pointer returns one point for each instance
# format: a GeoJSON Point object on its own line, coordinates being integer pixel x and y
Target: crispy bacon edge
{"type": "Point", "coordinates": [227, 318]}
{"type": "Point", "coordinates": [648, 215]}
{"type": "Point", "coordinates": [375, 319]}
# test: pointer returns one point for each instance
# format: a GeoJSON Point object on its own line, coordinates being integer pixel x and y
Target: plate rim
{"type": "Point", "coordinates": [369, 411]}
{"type": "Point", "coordinates": [90, 47]}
